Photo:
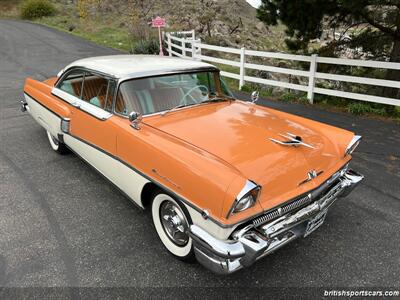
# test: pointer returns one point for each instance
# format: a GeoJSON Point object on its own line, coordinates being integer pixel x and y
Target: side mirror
{"type": "Point", "coordinates": [135, 118]}
{"type": "Point", "coordinates": [254, 96]}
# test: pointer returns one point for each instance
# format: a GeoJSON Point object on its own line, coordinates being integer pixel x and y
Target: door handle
{"type": "Point", "coordinates": [76, 104]}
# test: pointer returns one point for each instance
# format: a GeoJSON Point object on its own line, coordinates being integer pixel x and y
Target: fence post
{"type": "Point", "coordinates": [242, 62]}
{"type": "Point", "coordinates": [183, 45]}
{"type": "Point", "coordinates": [193, 49]}
{"type": "Point", "coordinates": [199, 51]}
{"type": "Point", "coordinates": [311, 78]}
{"type": "Point", "coordinates": [169, 44]}
{"type": "Point", "coordinates": [193, 34]}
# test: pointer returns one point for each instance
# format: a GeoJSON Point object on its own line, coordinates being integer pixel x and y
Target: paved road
{"type": "Point", "coordinates": [62, 224]}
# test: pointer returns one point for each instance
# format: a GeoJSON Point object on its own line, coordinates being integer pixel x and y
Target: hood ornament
{"type": "Point", "coordinates": [293, 140]}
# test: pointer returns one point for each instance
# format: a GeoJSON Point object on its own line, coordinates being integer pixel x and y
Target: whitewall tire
{"type": "Point", "coordinates": [56, 145]}
{"type": "Point", "coordinates": [171, 222]}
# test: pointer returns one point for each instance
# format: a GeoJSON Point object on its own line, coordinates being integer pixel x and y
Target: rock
{"type": "Point", "coordinates": [261, 27]}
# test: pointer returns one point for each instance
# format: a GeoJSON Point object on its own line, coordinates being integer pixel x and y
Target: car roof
{"type": "Point", "coordinates": [134, 66]}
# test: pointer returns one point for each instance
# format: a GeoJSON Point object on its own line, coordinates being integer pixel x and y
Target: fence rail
{"type": "Point", "coordinates": [191, 48]}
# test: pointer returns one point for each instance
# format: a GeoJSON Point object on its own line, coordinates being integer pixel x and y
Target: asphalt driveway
{"type": "Point", "coordinates": [62, 224]}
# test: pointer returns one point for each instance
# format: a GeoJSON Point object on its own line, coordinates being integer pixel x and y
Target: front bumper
{"type": "Point", "coordinates": [256, 240]}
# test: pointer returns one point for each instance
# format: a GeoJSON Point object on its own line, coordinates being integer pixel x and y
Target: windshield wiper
{"type": "Point", "coordinates": [171, 109]}
{"type": "Point", "coordinates": [214, 99]}
{"type": "Point", "coordinates": [218, 99]}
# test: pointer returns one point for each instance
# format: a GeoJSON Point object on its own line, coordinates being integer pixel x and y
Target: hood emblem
{"type": "Point", "coordinates": [292, 140]}
{"type": "Point", "coordinates": [311, 175]}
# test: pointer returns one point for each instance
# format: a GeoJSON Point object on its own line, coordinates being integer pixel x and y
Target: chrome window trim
{"type": "Point", "coordinates": [64, 73]}
{"type": "Point", "coordinates": [149, 74]}
{"type": "Point", "coordinates": [91, 109]}
{"type": "Point", "coordinates": [144, 75]}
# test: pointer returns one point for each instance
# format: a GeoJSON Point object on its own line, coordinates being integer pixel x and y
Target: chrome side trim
{"type": "Point", "coordinates": [91, 109]}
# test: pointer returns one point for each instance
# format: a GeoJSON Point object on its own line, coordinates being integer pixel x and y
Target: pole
{"type": "Point", "coordinates": [242, 62]}
{"type": "Point", "coordinates": [161, 47]}
{"type": "Point", "coordinates": [169, 44]}
{"type": "Point", "coordinates": [311, 78]}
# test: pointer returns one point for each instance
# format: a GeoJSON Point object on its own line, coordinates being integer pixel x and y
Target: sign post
{"type": "Point", "coordinates": [159, 22]}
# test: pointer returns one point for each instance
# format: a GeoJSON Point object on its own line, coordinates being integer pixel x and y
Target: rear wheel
{"type": "Point", "coordinates": [56, 145]}
{"type": "Point", "coordinates": [170, 220]}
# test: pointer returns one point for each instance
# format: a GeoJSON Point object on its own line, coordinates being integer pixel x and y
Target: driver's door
{"type": "Point", "coordinates": [91, 128]}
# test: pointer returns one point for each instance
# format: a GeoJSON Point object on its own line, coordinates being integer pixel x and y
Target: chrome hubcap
{"type": "Point", "coordinates": [174, 223]}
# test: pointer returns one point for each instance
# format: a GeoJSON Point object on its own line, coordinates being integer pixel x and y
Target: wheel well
{"type": "Point", "coordinates": [147, 191]}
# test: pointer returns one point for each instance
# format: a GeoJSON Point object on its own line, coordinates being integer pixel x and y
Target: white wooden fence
{"type": "Point", "coordinates": [181, 40]}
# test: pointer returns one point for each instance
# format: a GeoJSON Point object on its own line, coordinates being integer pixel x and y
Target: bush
{"type": "Point", "coordinates": [361, 108]}
{"type": "Point", "coordinates": [289, 97]}
{"type": "Point", "coordinates": [33, 9]}
{"type": "Point", "coordinates": [146, 47]}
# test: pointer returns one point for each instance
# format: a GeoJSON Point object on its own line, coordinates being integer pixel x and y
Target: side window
{"type": "Point", "coordinates": [110, 95]}
{"type": "Point", "coordinates": [72, 84]}
{"type": "Point", "coordinates": [96, 90]}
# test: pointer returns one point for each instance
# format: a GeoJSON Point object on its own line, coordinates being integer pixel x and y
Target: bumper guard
{"type": "Point", "coordinates": [254, 242]}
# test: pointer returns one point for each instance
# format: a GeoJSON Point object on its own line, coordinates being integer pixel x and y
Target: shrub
{"type": "Point", "coordinates": [146, 47]}
{"type": "Point", "coordinates": [360, 108]}
{"type": "Point", "coordinates": [33, 9]}
{"type": "Point", "coordinates": [288, 97]}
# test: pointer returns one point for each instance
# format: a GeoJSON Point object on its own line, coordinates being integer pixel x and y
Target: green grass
{"type": "Point", "coordinates": [102, 31]}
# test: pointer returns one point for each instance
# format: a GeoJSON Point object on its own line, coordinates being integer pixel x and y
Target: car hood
{"type": "Point", "coordinates": [239, 133]}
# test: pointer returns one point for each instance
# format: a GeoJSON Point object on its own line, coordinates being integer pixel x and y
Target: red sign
{"type": "Point", "coordinates": [158, 22]}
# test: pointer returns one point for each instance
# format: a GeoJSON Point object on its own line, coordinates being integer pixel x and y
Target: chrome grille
{"type": "Point", "coordinates": [281, 210]}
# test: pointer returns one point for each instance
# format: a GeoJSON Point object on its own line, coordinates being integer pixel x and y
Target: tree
{"type": "Point", "coordinates": [372, 25]}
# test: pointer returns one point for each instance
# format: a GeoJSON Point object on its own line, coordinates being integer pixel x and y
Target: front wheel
{"type": "Point", "coordinates": [170, 220]}
{"type": "Point", "coordinates": [56, 145]}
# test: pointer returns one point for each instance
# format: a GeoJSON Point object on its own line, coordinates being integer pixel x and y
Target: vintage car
{"type": "Point", "coordinates": [226, 181]}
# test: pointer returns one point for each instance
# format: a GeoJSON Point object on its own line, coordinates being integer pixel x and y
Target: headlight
{"type": "Point", "coordinates": [355, 141]}
{"type": "Point", "coordinates": [246, 198]}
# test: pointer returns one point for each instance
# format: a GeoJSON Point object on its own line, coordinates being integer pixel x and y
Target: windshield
{"type": "Point", "coordinates": [162, 93]}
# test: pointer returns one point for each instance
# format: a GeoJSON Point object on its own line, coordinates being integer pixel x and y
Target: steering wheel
{"type": "Point", "coordinates": [189, 94]}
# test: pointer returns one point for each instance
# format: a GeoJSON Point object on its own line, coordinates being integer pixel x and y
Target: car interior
{"type": "Point", "coordinates": [152, 95]}
{"type": "Point", "coordinates": [145, 96]}
{"type": "Point", "coordinates": [94, 89]}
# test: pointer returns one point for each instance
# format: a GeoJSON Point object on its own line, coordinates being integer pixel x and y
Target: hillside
{"type": "Point", "coordinates": [120, 23]}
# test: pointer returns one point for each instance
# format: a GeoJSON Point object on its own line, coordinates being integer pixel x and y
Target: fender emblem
{"type": "Point", "coordinates": [311, 175]}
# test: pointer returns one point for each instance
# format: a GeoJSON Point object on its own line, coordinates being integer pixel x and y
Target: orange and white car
{"type": "Point", "coordinates": [227, 181]}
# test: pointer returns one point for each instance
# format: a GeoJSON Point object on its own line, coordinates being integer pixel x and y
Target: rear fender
{"type": "Point", "coordinates": [45, 108]}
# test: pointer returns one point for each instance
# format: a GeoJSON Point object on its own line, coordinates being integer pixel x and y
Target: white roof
{"type": "Point", "coordinates": [131, 66]}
